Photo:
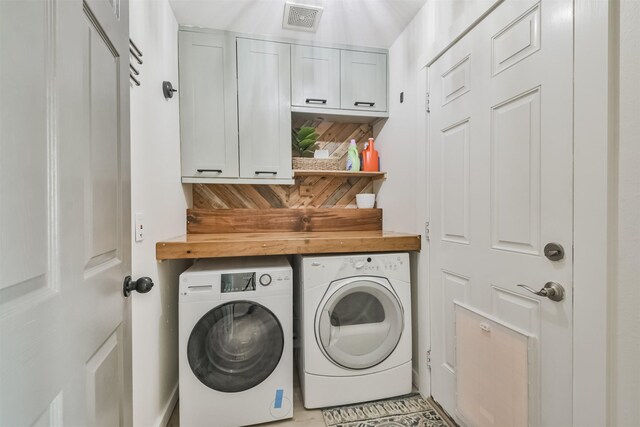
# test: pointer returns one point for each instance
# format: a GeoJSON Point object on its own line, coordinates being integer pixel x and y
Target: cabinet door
{"type": "Point", "coordinates": [264, 109]}
{"type": "Point", "coordinates": [364, 81]}
{"type": "Point", "coordinates": [208, 105]}
{"type": "Point", "coordinates": [315, 77]}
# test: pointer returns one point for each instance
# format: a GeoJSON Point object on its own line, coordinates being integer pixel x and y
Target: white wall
{"type": "Point", "coordinates": [156, 191]}
{"type": "Point", "coordinates": [624, 403]}
{"type": "Point", "coordinates": [401, 143]}
{"type": "Point", "coordinates": [396, 138]}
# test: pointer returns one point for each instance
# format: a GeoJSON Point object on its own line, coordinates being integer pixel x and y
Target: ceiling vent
{"type": "Point", "coordinates": [301, 17]}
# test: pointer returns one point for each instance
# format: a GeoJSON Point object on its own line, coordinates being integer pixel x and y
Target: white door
{"type": "Point", "coordinates": [264, 109]}
{"type": "Point", "coordinates": [64, 213]}
{"type": "Point", "coordinates": [208, 105]}
{"type": "Point", "coordinates": [500, 161]}
{"type": "Point", "coordinates": [315, 77]}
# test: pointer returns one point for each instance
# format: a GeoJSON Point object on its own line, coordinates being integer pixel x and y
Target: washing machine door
{"type": "Point", "coordinates": [235, 346]}
{"type": "Point", "coordinates": [359, 322]}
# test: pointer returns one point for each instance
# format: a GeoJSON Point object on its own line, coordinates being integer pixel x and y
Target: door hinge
{"type": "Point", "coordinates": [429, 359]}
{"type": "Point", "coordinates": [426, 230]}
{"type": "Point", "coordinates": [427, 103]}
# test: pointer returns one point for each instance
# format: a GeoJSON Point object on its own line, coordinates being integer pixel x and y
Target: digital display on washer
{"type": "Point", "coordinates": [238, 282]}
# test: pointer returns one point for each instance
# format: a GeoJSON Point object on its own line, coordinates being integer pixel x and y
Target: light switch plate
{"type": "Point", "coordinates": [139, 227]}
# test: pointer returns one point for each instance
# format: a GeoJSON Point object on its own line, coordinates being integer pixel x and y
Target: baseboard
{"type": "Point", "coordinates": [168, 408]}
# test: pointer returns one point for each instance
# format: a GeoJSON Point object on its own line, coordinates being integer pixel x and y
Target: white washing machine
{"type": "Point", "coordinates": [235, 342]}
{"type": "Point", "coordinates": [353, 318]}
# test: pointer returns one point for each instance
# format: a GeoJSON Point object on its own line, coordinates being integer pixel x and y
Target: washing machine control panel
{"type": "Point", "coordinates": [265, 279]}
{"type": "Point", "coordinates": [237, 282]}
{"type": "Point", "coordinates": [231, 285]}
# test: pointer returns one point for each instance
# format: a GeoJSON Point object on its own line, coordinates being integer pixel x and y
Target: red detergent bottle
{"type": "Point", "coordinates": [370, 162]}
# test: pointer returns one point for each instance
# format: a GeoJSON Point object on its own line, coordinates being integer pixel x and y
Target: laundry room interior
{"type": "Point", "coordinates": [321, 213]}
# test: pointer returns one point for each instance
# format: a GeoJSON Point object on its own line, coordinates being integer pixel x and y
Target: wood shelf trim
{"type": "Point", "coordinates": [193, 246]}
{"type": "Point", "coordinates": [213, 221]}
{"type": "Point", "coordinates": [346, 174]}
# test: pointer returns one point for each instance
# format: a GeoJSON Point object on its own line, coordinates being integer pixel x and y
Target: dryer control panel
{"type": "Point", "coordinates": [370, 264]}
{"type": "Point", "coordinates": [319, 270]}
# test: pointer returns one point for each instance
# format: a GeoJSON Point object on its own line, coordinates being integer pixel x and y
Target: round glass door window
{"type": "Point", "coordinates": [360, 324]}
{"type": "Point", "coordinates": [235, 346]}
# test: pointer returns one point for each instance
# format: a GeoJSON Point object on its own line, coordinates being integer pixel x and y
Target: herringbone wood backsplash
{"type": "Point", "coordinates": [335, 137]}
{"type": "Point", "coordinates": [326, 192]}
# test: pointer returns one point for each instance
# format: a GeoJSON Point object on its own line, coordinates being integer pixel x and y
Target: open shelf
{"type": "Point", "coordinates": [346, 174]}
{"type": "Point", "coordinates": [333, 115]}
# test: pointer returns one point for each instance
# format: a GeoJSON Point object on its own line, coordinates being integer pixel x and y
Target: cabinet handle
{"type": "Point", "coordinates": [266, 173]}
{"type": "Point", "coordinates": [364, 104]}
{"type": "Point", "coordinates": [210, 170]}
{"type": "Point", "coordinates": [315, 101]}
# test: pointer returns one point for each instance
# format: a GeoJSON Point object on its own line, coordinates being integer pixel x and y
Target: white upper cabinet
{"type": "Point", "coordinates": [208, 105]}
{"type": "Point", "coordinates": [264, 109]}
{"type": "Point", "coordinates": [237, 96]}
{"type": "Point", "coordinates": [315, 77]}
{"type": "Point", "coordinates": [363, 81]}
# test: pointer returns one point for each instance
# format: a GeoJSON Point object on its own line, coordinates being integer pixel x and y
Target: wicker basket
{"type": "Point", "coordinates": [312, 164]}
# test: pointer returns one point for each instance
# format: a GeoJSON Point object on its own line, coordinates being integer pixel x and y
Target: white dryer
{"type": "Point", "coordinates": [353, 319]}
{"type": "Point", "coordinates": [235, 342]}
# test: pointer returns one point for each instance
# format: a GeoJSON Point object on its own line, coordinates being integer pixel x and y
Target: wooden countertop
{"type": "Point", "coordinates": [284, 243]}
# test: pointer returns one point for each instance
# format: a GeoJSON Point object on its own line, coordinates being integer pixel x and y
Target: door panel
{"type": "Point", "coordinates": [455, 82]}
{"type": "Point", "coordinates": [363, 81]}
{"type": "Point", "coordinates": [26, 204]}
{"type": "Point", "coordinates": [500, 162]}
{"type": "Point", "coordinates": [315, 77]}
{"type": "Point", "coordinates": [264, 107]}
{"type": "Point", "coordinates": [521, 311]}
{"type": "Point", "coordinates": [517, 41]}
{"type": "Point", "coordinates": [64, 213]}
{"type": "Point", "coordinates": [455, 288]}
{"type": "Point", "coordinates": [104, 383]}
{"type": "Point", "coordinates": [208, 105]}
{"type": "Point", "coordinates": [455, 183]}
{"type": "Point", "coordinates": [515, 178]}
{"type": "Point", "coordinates": [102, 191]}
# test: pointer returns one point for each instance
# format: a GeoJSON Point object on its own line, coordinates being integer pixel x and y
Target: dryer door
{"type": "Point", "coordinates": [235, 346]}
{"type": "Point", "coordinates": [359, 322]}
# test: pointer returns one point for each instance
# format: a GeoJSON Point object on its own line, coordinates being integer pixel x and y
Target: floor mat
{"type": "Point", "coordinates": [405, 411]}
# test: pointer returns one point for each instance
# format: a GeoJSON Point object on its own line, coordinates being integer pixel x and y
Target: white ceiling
{"type": "Point", "coordinates": [374, 23]}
